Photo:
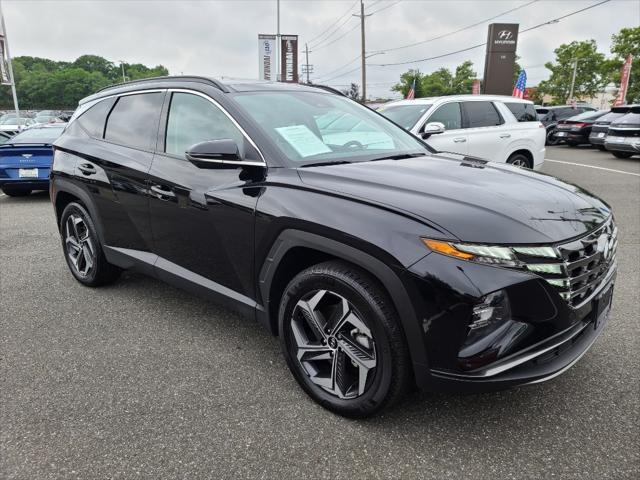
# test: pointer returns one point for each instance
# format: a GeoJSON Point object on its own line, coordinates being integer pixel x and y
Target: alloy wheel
{"type": "Point", "coordinates": [80, 248]}
{"type": "Point", "coordinates": [519, 162]}
{"type": "Point", "coordinates": [333, 344]}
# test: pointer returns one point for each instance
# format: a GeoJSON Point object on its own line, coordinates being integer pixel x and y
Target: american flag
{"type": "Point", "coordinates": [518, 89]}
{"type": "Point", "coordinates": [411, 94]}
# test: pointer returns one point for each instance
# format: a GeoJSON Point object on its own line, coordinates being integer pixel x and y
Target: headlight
{"type": "Point", "coordinates": [499, 255]}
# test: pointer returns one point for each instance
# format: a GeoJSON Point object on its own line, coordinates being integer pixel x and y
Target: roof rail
{"type": "Point", "coordinates": [212, 81]}
{"type": "Point", "coordinates": [327, 88]}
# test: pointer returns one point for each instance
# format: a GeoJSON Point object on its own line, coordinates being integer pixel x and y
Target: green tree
{"type": "Point", "coordinates": [353, 92]}
{"type": "Point", "coordinates": [42, 83]}
{"type": "Point", "coordinates": [590, 78]}
{"type": "Point", "coordinates": [406, 80]}
{"type": "Point", "coordinates": [625, 43]}
{"type": "Point", "coordinates": [438, 83]}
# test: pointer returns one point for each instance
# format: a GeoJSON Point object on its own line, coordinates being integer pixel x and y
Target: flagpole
{"type": "Point", "coordinates": [13, 83]}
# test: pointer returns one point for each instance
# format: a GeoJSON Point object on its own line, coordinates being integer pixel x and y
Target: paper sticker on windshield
{"type": "Point", "coordinates": [303, 140]}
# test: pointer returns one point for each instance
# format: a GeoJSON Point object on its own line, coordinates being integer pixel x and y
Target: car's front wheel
{"type": "Point", "coordinates": [343, 341]}
{"type": "Point", "coordinates": [82, 249]}
{"type": "Point", "coordinates": [622, 154]}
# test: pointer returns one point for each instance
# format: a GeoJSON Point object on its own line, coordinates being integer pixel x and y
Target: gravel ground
{"type": "Point", "coordinates": [141, 380]}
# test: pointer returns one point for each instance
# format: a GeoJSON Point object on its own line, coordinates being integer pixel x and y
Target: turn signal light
{"type": "Point", "coordinates": [446, 249]}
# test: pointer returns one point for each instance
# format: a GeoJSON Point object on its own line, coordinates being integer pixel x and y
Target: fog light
{"type": "Point", "coordinates": [494, 309]}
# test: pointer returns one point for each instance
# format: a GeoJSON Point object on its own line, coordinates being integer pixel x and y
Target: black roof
{"type": "Point", "coordinates": [224, 85]}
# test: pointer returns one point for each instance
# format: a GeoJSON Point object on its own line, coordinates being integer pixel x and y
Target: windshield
{"type": "Point", "coordinates": [38, 135]}
{"type": "Point", "coordinates": [405, 115]}
{"type": "Point", "coordinates": [310, 127]}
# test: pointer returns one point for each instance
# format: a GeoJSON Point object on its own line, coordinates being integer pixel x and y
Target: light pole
{"type": "Point", "coordinates": [10, 67]}
{"type": "Point", "coordinates": [124, 79]}
{"type": "Point", "coordinates": [573, 79]}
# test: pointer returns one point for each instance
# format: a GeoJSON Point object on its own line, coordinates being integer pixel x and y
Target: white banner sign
{"type": "Point", "coordinates": [267, 57]}
{"type": "Point", "coordinates": [5, 79]}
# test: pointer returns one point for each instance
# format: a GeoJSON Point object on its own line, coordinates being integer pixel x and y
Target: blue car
{"type": "Point", "coordinates": [25, 160]}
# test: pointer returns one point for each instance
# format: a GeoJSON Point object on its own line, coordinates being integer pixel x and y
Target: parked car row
{"type": "Point", "coordinates": [616, 130]}
{"type": "Point", "coordinates": [551, 116]}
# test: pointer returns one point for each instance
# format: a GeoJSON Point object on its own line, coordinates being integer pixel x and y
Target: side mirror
{"type": "Point", "coordinates": [214, 153]}
{"type": "Point", "coordinates": [432, 128]}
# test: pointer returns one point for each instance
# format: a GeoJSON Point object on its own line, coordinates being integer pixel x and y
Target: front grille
{"type": "Point", "coordinates": [577, 268]}
{"type": "Point", "coordinates": [624, 132]}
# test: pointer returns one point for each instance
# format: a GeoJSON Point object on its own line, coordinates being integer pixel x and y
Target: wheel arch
{"type": "Point", "coordinates": [66, 192]}
{"type": "Point", "coordinates": [295, 250]}
{"type": "Point", "coordinates": [524, 151]}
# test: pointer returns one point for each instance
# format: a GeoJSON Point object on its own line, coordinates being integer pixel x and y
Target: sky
{"type": "Point", "coordinates": [219, 38]}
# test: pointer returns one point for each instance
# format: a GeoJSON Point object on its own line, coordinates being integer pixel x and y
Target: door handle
{"type": "Point", "coordinates": [161, 193]}
{"type": "Point", "coordinates": [460, 140]}
{"type": "Point", "coordinates": [87, 169]}
{"type": "Point", "coordinates": [505, 135]}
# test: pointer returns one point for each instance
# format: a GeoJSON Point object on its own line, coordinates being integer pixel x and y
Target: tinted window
{"type": "Point", "coordinates": [589, 115]}
{"type": "Point", "coordinates": [134, 120]}
{"type": "Point", "coordinates": [563, 113]}
{"type": "Point", "coordinates": [449, 115]}
{"type": "Point", "coordinates": [610, 117]}
{"type": "Point", "coordinates": [193, 119]}
{"type": "Point", "coordinates": [405, 115]}
{"type": "Point", "coordinates": [481, 114]}
{"type": "Point", "coordinates": [524, 112]}
{"type": "Point", "coordinates": [93, 119]}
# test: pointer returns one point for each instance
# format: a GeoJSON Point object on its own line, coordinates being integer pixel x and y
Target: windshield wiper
{"type": "Point", "coordinates": [322, 164]}
{"type": "Point", "coordinates": [399, 156]}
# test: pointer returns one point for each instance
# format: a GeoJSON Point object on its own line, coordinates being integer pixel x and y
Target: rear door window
{"type": "Point", "coordinates": [524, 112]}
{"type": "Point", "coordinates": [133, 122]}
{"type": "Point", "coordinates": [481, 114]}
{"type": "Point", "coordinates": [94, 118]}
{"type": "Point", "coordinates": [449, 115]}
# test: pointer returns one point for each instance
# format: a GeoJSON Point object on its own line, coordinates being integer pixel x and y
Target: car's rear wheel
{"type": "Point", "coordinates": [551, 138]}
{"type": "Point", "coordinates": [82, 249]}
{"type": "Point", "coordinates": [572, 144]}
{"type": "Point", "coordinates": [342, 340]}
{"type": "Point", "coordinates": [622, 154]}
{"type": "Point", "coordinates": [16, 191]}
{"type": "Point", "coordinates": [520, 160]}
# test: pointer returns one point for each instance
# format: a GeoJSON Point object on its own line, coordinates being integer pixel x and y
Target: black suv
{"type": "Point", "coordinates": [378, 263]}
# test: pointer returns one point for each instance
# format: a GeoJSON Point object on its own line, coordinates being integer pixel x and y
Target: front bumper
{"type": "Point", "coordinates": [445, 291]}
{"type": "Point", "coordinates": [622, 147]}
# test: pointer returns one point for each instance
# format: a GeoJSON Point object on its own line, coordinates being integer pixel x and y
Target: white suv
{"type": "Point", "coordinates": [500, 128]}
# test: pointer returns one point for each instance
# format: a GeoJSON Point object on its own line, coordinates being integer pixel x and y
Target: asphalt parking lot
{"type": "Point", "coordinates": [141, 380]}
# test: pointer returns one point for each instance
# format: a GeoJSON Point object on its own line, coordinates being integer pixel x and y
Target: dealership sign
{"type": "Point", "coordinates": [502, 41]}
{"type": "Point", "coordinates": [289, 59]}
{"type": "Point", "coordinates": [268, 57]}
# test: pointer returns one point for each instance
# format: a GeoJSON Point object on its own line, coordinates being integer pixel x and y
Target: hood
{"type": "Point", "coordinates": [475, 201]}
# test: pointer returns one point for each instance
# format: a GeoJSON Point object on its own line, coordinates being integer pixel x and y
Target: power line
{"type": "Point", "coordinates": [330, 26]}
{"type": "Point", "coordinates": [484, 43]}
{"type": "Point", "coordinates": [457, 31]}
{"type": "Point", "coordinates": [341, 67]}
{"type": "Point", "coordinates": [316, 48]}
{"type": "Point", "coordinates": [382, 8]}
{"type": "Point", "coordinates": [431, 39]}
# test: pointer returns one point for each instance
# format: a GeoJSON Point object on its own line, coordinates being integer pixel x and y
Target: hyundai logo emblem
{"type": "Point", "coordinates": [505, 35]}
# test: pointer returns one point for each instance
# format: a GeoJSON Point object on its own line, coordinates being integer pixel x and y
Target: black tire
{"type": "Point", "coordinates": [572, 144]}
{"type": "Point", "coordinates": [601, 148]}
{"type": "Point", "coordinates": [520, 160]}
{"type": "Point", "coordinates": [622, 154]}
{"type": "Point", "coordinates": [551, 138]}
{"type": "Point", "coordinates": [390, 378]}
{"type": "Point", "coordinates": [100, 272]}
{"type": "Point", "coordinates": [15, 191]}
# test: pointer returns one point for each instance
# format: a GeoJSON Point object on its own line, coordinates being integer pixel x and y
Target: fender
{"type": "Point", "coordinates": [290, 238]}
{"type": "Point", "coordinates": [63, 185]}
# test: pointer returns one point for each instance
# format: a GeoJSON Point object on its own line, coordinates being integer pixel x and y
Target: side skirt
{"type": "Point", "coordinates": [152, 265]}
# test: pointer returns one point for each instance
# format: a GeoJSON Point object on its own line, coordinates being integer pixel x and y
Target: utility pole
{"type": "Point", "coordinates": [573, 79]}
{"type": "Point", "coordinates": [278, 43]}
{"type": "Point", "coordinates": [124, 79]}
{"type": "Point", "coordinates": [362, 53]}
{"type": "Point", "coordinates": [11, 78]}
{"type": "Point", "coordinates": [307, 67]}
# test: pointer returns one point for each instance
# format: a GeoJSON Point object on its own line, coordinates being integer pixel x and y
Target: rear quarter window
{"type": "Point", "coordinates": [524, 112]}
{"type": "Point", "coordinates": [92, 121]}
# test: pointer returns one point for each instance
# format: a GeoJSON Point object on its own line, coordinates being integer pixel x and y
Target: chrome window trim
{"type": "Point", "coordinates": [233, 120]}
